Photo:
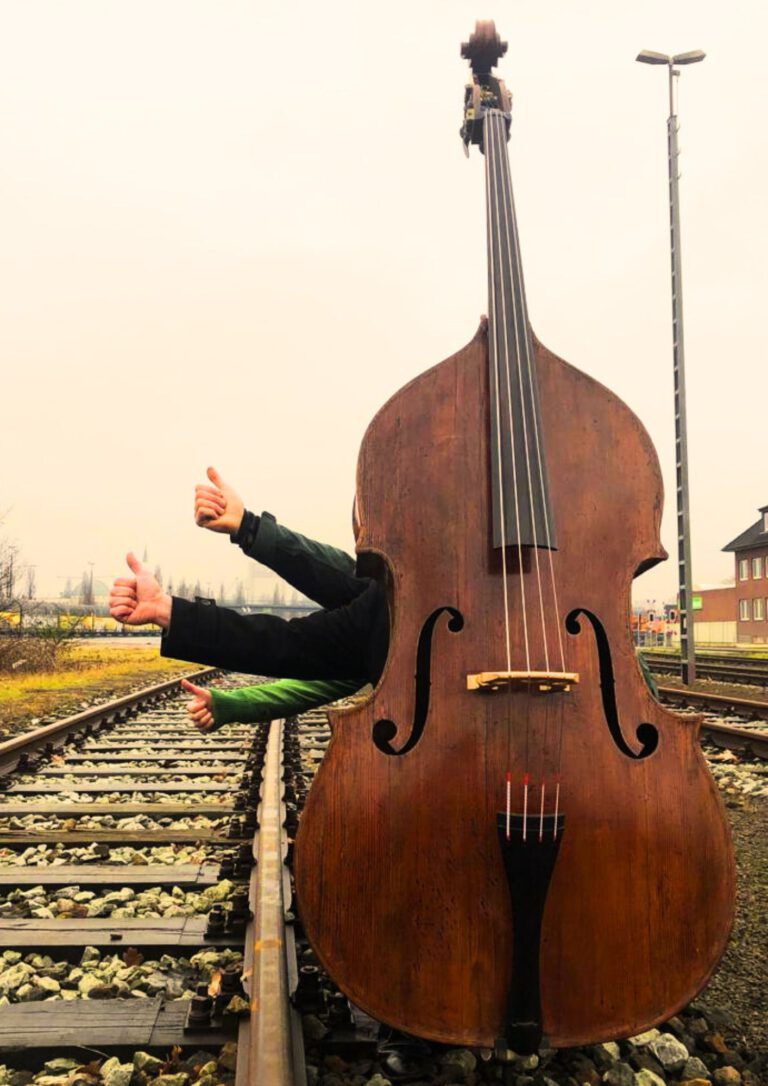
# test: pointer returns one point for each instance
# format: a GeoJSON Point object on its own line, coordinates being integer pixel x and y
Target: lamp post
{"type": "Point", "coordinates": [687, 646]}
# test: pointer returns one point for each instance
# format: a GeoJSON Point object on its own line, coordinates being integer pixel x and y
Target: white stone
{"type": "Point", "coordinates": [88, 983]}
{"type": "Point", "coordinates": [670, 1052]}
{"type": "Point", "coordinates": [644, 1077]}
{"type": "Point", "coordinates": [642, 1040]}
{"type": "Point", "coordinates": [13, 978]}
{"type": "Point", "coordinates": [48, 984]}
{"type": "Point", "coordinates": [117, 1074]}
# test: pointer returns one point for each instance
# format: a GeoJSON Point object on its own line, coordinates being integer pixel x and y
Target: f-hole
{"type": "Point", "coordinates": [384, 731]}
{"type": "Point", "coordinates": [647, 735]}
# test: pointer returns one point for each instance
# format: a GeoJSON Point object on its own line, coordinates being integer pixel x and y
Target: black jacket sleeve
{"type": "Point", "coordinates": [325, 574]}
{"type": "Point", "coordinates": [348, 642]}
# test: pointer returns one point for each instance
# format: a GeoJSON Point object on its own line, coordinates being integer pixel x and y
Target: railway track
{"type": "Point", "coordinates": [166, 847]}
{"type": "Point", "coordinates": [724, 668]}
{"type": "Point", "coordinates": [731, 722]}
{"type": "Point", "coordinates": [142, 898]}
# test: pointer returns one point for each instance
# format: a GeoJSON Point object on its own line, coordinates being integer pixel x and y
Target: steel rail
{"type": "Point", "coordinates": [722, 656]}
{"type": "Point", "coordinates": [755, 673]}
{"type": "Point", "coordinates": [270, 1047]}
{"type": "Point", "coordinates": [726, 735]}
{"type": "Point", "coordinates": [104, 713]}
{"type": "Point", "coordinates": [754, 709]}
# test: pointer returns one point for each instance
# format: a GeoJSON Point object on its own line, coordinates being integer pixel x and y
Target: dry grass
{"type": "Point", "coordinates": [86, 672]}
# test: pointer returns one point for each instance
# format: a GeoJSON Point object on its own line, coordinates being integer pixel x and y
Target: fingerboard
{"type": "Point", "coordinates": [522, 514]}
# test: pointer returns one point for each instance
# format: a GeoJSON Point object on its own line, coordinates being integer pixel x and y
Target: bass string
{"type": "Point", "coordinates": [521, 339]}
{"type": "Point", "coordinates": [525, 358]}
{"type": "Point", "coordinates": [491, 205]}
{"type": "Point", "coordinates": [509, 247]}
{"type": "Point", "coordinates": [515, 254]}
{"type": "Point", "coordinates": [529, 366]}
{"type": "Point", "coordinates": [494, 258]}
{"type": "Point", "coordinates": [499, 339]}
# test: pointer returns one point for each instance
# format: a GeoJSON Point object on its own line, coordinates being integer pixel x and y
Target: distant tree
{"type": "Point", "coordinates": [8, 570]}
{"type": "Point", "coordinates": [183, 590]}
{"type": "Point", "coordinates": [30, 593]}
{"type": "Point", "coordinates": [169, 589]}
{"type": "Point", "coordinates": [277, 596]}
{"type": "Point", "coordinates": [85, 591]}
{"type": "Point", "coordinates": [67, 592]}
{"type": "Point", "coordinates": [197, 590]}
{"type": "Point", "coordinates": [222, 596]}
{"type": "Point", "coordinates": [11, 569]}
{"type": "Point", "coordinates": [239, 593]}
{"type": "Point", "coordinates": [159, 575]}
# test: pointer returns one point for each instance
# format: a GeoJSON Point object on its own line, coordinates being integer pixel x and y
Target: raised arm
{"type": "Point", "coordinates": [323, 573]}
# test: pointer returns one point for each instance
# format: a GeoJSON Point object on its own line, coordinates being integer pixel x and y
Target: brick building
{"type": "Point", "coordinates": [714, 615]}
{"type": "Point", "coordinates": [751, 569]}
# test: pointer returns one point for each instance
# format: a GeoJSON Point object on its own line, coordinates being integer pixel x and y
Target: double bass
{"type": "Point", "coordinates": [512, 842]}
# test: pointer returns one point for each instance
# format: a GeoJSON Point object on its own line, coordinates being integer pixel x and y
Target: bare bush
{"type": "Point", "coordinates": [25, 654]}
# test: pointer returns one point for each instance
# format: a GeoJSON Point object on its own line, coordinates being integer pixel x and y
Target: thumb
{"type": "Point", "coordinates": [192, 689]}
{"type": "Point", "coordinates": [134, 563]}
{"type": "Point", "coordinates": [215, 478]}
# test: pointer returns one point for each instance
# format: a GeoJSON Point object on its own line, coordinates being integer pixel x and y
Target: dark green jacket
{"type": "Point", "coordinates": [325, 575]}
{"type": "Point", "coordinates": [348, 638]}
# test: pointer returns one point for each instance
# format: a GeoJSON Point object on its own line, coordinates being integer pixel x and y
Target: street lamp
{"type": "Point", "coordinates": [687, 646]}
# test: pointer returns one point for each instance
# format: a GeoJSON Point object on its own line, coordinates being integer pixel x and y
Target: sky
{"type": "Point", "coordinates": [230, 231]}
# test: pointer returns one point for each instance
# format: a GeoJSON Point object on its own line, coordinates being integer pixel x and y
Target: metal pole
{"type": "Point", "coordinates": [687, 645]}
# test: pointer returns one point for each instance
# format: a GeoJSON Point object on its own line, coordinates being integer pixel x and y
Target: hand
{"type": "Point", "coordinates": [201, 706]}
{"type": "Point", "coordinates": [218, 508]}
{"type": "Point", "coordinates": [139, 599]}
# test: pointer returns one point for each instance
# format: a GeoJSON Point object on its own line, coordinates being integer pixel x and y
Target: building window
{"type": "Point", "coordinates": [758, 614]}
{"type": "Point", "coordinates": [743, 569]}
{"type": "Point", "coordinates": [744, 610]}
{"type": "Point", "coordinates": [757, 567]}
{"type": "Point", "coordinates": [765, 522]}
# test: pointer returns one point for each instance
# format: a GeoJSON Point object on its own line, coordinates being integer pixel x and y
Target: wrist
{"type": "Point", "coordinates": [163, 606]}
{"type": "Point", "coordinates": [246, 532]}
{"type": "Point", "coordinates": [235, 530]}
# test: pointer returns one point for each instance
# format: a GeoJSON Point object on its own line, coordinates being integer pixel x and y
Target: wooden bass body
{"type": "Point", "coordinates": [401, 885]}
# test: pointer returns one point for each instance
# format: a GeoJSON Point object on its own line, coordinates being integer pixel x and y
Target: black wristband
{"type": "Point", "coordinates": [245, 536]}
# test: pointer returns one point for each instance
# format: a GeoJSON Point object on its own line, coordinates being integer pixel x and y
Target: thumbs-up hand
{"type": "Point", "coordinates": [139, 599]}
{"type": "Point", "coordinates": [218, 508]}
{"type": "Point", "coordinates": [201, 707]}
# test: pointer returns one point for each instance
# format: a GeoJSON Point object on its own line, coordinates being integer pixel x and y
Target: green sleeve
{"type": "Point", "coordinates": [649, 679]}
{"type": "Point", "coordinates": [284, 697]}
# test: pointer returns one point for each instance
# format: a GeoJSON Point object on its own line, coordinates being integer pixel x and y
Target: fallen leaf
{"type": "Point", "coordinates": [132, 956]}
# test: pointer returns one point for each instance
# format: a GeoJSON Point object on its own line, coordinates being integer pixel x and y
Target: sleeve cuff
{"type": "Point", "coordinates": [257, 537]}
{"type": "Point", "coordinates": [192, 628]}
{"type": "Point", "coordinates": [246, 534]}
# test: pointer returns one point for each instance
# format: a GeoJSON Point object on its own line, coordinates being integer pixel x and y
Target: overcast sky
{"type": "Point", "coordinates": [231, 230]}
